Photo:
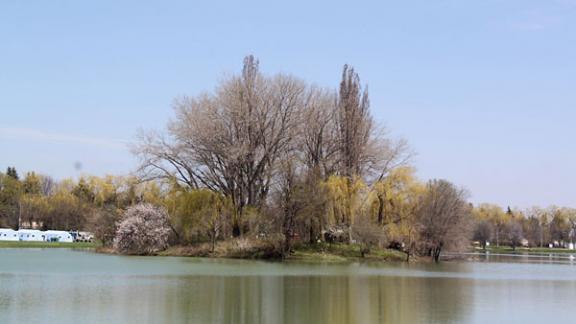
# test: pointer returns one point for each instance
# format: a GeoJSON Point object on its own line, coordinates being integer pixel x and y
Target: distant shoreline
{"type": "Point", "coordinates": [29, 244]}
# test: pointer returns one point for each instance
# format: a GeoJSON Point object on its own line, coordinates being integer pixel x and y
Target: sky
{"type": "Point", "coordinates": [484, 91]}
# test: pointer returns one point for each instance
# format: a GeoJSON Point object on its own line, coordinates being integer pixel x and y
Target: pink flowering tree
{"type": "Point", "coordinates": [144, 229]}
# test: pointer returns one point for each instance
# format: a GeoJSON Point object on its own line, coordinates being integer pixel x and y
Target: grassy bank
{"type": "Point", "coordinates": [22, 244]}
{"type": "Point", "coordinates": [322, 252]}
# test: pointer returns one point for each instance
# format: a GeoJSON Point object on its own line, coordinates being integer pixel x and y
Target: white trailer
{"type": "Point", "coordinates": [58, 236]}
{"type": "Point", "coordinates": [8, 234]}
{"type": "Point", "coordinates": [30, 235]}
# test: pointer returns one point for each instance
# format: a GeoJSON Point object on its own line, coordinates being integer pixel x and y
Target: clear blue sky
{"type": "Point", "coordinates": [484, 91]}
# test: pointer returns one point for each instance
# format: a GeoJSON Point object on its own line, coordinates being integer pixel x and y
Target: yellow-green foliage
{"type": "Point", "coordinates": [196, 211]}
{"type": "Point", "coordinates": [345, 199]}
{"type": "Point", "coordinates": [491, 213]}
{"type": "Point", "coordinates": [396, 198]}
{"type": "Point", "coordinates": [31, 184]}
{"type": "Point", "coordinates": [104, 189]}
{"type": "Point", "coordinates": [151, 193]}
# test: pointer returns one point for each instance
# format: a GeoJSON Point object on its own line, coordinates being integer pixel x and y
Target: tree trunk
{"type": "Point", "coordinates": [236, 229]}
{"type": "Point", "coordinates": [380, 210]}
{"type": "Point", "coordinates": [312, 238]}
{"type": "Point", "coordinates": [437, 251]}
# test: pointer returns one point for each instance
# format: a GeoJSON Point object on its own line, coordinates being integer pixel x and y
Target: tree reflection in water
{"type": "Point", "coordinates": [318, 299]}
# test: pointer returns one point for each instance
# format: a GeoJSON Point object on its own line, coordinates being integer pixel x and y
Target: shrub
{"type": "Point", "coordinates": [143, 230]}
{"type": "Point", "coordinates": [103, 224]}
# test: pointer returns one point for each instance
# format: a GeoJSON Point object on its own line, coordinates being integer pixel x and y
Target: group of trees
{"type": "Point", "coordinates": [272, 158]}
{"type": "Point", "coordinates": [89, 203]}
{"type": "Point", "coordinates": [534, 227]}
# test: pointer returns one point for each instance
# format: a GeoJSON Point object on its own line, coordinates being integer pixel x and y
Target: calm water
{"type": "Point", "coordinates": [65, 286]}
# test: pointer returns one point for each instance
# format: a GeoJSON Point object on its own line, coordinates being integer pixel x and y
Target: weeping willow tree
{"type": "Point", "coordinates": [344, 199]}
{"type": "Point", "coordinates": [394, 202]}
{"type": "Point", "coordinates": [199, 215]}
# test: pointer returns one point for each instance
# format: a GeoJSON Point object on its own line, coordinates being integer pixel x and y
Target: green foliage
{"type": "Point", "coordinates": [339, 253]}
{"type": "Point", "coordinates": [83, 192]}
{"type": "Point", "coordinates": [10, 192]}
{"type": "Point", "coordinates": [11, 172]}
{"type": "Point", "coordinates": [103, 223]}
{"type": "Point", "coordinates": [31, 184]}
{"type": "Point", "coordinates": [198, 215]}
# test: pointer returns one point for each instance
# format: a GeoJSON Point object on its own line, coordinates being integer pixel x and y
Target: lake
{"type": "Point", "coordinates": [65, 286]}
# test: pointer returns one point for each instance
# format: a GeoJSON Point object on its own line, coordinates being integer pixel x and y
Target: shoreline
{"type": "Point", "coordinates": [313, 253]}
{"type": "Point", "coordinates": [320, 253]}
{"type": "Point", "coordinates": [48, 245]}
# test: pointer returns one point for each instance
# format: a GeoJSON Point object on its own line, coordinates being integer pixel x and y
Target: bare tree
{"type": "Point", "coordinates": [366, 234]}
{"type": "Point", "coordinates": [290, 201]}
{"type": "Point", "coordinates": [571, 216]}
{"type": "Point", "coordinates": [318, 134]}
{"type": "Point", "coordinates": [230, 141]}
{"type": "Point", "coordinates": [514, 234]}
{"type": "Point", "coordinates": [483, 232]}
{"type": "Point", "coordinates": [444, 217]}
{"type": "Point", "coordinates": [47, 185]}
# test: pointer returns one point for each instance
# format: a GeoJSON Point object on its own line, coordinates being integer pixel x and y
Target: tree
{"type": "Point", "coordinates": [288, 202]}
{"type": "Point", "coordinates": [571, 217]}
{"type": "Point", "coordinates": [559, 225]}
{"type": "Point", "coordinates": [198, 215]}
{"type": "Point", "coordinates": [354, 123]}
{"type": "Point", "coordinates": [344, 199]}
{"type": "Point", "coordinates": [230, 141]}
{"type": "Point", "coordinates": [515, 234]}
{"type": "Point", "coordinates": [144, 229]}
{"type": "Point", "coordinates": [83, 191]}
{"type": "Point", "coordinates": [102, 191]}
{"type": "Point", "coordinates": [66, 211]}
{"type": "Point", "coordinates": [496, 216]}
{"type": "Point", "coordinates": [103, 224]}
{"type": "Point", "coordinates": [394, 203]}
{"type": "Point", "coordinates": [312, 218]}
{"type": "Point", "coordinates": [537, 226]}
{"type": "Point", "coordinates": [47, 185]}
{"type": "Point", "coordinates": [33, 209]}
{"type": "Point", "coordinates": [10, 192]}
{"type": "Point", "coordinates": [367, 234]}
{"type": "Point", "coordinates": [32, 184]}
{"type": "Point", "coordinates": [444, 217]}
{"type": "Point", "coordinates": [318, 135]}
{"type": "Point", "coordinates": [483, 232]}
{"type": "Point", "coordinates": [11, 172]}
{"type": "Point", "coordinates": [396, 196]}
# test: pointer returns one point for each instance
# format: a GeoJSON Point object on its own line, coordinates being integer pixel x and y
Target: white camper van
{"type": "Point", "coordinates": [8, 234]}
{"type": "Point", "coordinates": [30, 235]}
{"type": "Point", "coordinates": [58, 236]}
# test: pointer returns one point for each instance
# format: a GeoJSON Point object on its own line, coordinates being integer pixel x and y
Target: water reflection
{"type": "Point", "coordinates": [243, 299]}
{"type": "Point", "coordinates": [103, 289]}
{"type": "Point", "coordinates": [317, 299]}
